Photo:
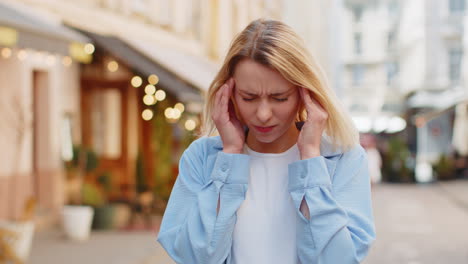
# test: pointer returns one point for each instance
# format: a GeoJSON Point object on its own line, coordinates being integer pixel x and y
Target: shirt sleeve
{"type": "Point", "coordinates": [341, 226]}
{"type": "Point", "coordinates": [191, 230]}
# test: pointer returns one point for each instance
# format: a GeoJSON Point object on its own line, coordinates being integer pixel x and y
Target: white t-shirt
{"type": "Point", "coordinates": [265, 231]}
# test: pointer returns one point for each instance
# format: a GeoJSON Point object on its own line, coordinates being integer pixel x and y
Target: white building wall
{"type": "Point", "coordinates": [18, 83]}
{"type": "Point", "coordinates": [57, 95]}
{"type": "Point", "coordinates": [318, 23]}
{"type": "Point", "coordinates": [412, 45]}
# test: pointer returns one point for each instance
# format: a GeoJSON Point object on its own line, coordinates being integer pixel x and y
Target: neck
{"type": "Point", "coordinates": [283, 143]}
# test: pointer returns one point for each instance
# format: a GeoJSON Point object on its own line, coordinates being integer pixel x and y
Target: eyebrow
{"type": "Point", "coordinates": [273, 94]}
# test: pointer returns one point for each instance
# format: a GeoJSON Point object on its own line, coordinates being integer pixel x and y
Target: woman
{"type": "Point", "coordinates": [286, 180]}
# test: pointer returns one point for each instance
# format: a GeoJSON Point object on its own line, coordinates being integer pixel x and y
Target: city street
{"type": "Point", "coordinates": [421, 224]}
{"type": "Point", "coordinates": [416, 224]}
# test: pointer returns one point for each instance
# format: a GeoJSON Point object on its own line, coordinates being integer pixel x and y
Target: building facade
{"type": "Point", "coordinates": [39, 91]}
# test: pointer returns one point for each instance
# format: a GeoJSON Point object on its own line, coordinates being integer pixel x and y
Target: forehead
{"type": "Point", "coordinates": [254, 77]}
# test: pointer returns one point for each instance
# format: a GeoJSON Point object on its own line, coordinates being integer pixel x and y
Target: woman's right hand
{"type": "Point", "coordinates": [224, 116]}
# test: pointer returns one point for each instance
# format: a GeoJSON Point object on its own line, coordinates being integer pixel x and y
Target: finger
{"type": "Point", "coordinates": [307, 101]}
{"type": "Point", "coordinates": [232, 113]}
{"type": "Point", "coordinates": [230, 84]}
{"type": "Point", "coordinates": [314, 108]}
{"type": "Point", "coordinates": [219, 101]}
{"type": "Point", "coordinates": [315, 105]}
{"type": "Point", "coordinates": [218, 98]}
{"type": "Point", "coordinates": [225, 100]}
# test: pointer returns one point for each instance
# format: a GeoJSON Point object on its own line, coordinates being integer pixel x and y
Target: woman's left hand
{"type": "Point", "coordinates": [310, 136]}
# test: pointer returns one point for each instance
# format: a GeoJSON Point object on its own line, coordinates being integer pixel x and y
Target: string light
{"type": "Point", "coordinates": [153, 79]}
{"type": "Point", "coordinates": [22, 55]}
{"type": "Point", "coordinates": [112, 66]}
{"type": "Point", "coordinates": [6, 53]}
{"type": "Point", "coordinates": [147, 114]}
{"type": "Point", "coordinates": [89, 48]}
{"type": "Point", "coordinates": [176, 113]}
{"type": "Point", "coordinates": [50, 60]}
{"type": "Point", "coordinates": [136, 81]}
{"type": "Point", "coordinates": [180, 107]}
{"type": "Point", "coordinates": [160, 95]}
{"type": "Point", "coordinates": [149, 99]}
{"type": "Point", "coordinates": [190, 125]}
{"type": "Point", "coordinates": [150, 89]}
{"type": "Point", "coordinates": [169, 113]}
{"type": "Point", "coordinates": [67, 61]}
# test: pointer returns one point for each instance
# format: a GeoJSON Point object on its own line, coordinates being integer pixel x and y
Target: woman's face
{"type": "Point", "coordinates": [267, 104]}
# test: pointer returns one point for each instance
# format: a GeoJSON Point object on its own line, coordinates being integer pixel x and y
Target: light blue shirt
{"type": "Point", "coordinates": [336, 187]}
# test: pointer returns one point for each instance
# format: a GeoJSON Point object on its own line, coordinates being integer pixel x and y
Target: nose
{"type": "Point", "coordinates": [264, 112]}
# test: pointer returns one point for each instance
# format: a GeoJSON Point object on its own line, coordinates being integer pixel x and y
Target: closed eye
{"type": "Point", "coordinates": [277, 99]}
{"type": "Point", "coordinates": [281, 99]}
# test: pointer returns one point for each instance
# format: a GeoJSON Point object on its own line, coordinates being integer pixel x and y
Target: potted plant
{"type": "Point", "coordinates": [103, 211]}
{"type": "Point", "coordinates": [397, 163]}
{"type": "Point", "coordinates": [16, 234]}
{"type": "Point", "coordinates": [444, 168]}
{"type": "Point", "coordinates": [77, 215]}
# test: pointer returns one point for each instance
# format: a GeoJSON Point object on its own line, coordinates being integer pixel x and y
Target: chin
{"type": "Point", "coordinates": [266, 138]}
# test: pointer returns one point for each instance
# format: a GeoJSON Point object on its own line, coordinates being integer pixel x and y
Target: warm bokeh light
{"type": "Point", "coordinates": [136, 81]}
{"type": "Point", "coordinates": [169, 113]}
{"type": "Point", "coordinates": [89, 48]}
{"type": "Point", "coordinates": [67, 61]}
{"type": "Point", "coordinates": [153, 79]}
{"type": "Point", "coordinates": [180, 106]}
{"type": "Point", "coordinates": [190, 125]}
{"type": "Point", "coordinates": [147, 114]}
{"type": "Point", "coordinates": [150, 89]}
{"type": "Point", "coordinates": [176, 113]}
{"type": "Point", "coordinates": [149, 99]}
{"type": "Point", "coordinates": [50, 60]}
{"type": "Point", "coordinates": [6, 53]}
{"type": "Point", "coordinates": [112, 66]}
{"type": "Point", "coordinates": [22, 55]}
{"type": "Point", "coordinates": [160, 95]}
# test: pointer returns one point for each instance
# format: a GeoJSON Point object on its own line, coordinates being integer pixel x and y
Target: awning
{"type": "Point", "coordinates": [438, 100]}
{"type": "Point", "coordinates": [436, 103]}
{"type": "Point", "coordinates": [146, 66]}
{"type": "Point", "coordinates": [181, 58]}
{"type": "Point", "coordinates": [19, 29]}
{"type": "Point", "coordinates": [460, 129]}
{"type": "Point", "coordinates": [195, 70]}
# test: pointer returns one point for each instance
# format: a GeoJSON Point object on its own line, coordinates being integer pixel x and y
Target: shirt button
{"type": "Point", "coordinates": [303, 175]}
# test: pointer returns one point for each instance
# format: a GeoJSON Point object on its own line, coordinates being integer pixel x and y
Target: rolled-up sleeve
{"type": "Point", "coordinates": [191, 230]}
{"type": "Point", "coordinates": [337, 192]}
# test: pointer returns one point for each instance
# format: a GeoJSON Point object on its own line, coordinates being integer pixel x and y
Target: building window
{"type": "Point", "coordinates": [457, 6]}
{"type": "Point", "coordinates": [390, 40]}
{"type": "Point", "coordinates": [455, 59]}
{"type": "Point", "coordinates": [357, 12]}
{"type": "Point", "coordinates": [392, 71]}
{"type": "Point", "coordinates": [358, 43]}
{"type": "Point", "coordinates": [358, 74]}
{"type": "Point", "coordinates": [106, 123]}
{"type": "Point", "coordinates": [393, 9]}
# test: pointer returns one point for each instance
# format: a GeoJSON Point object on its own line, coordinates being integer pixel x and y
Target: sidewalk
{"type": "Point", "coordinates": [457, 191]}
{"type": "Point", "coordinates": [420, 224]}
{"type": "Point", "coordinates": [415, 224]}
{"type": "Point", "coordinates": [116, 247]}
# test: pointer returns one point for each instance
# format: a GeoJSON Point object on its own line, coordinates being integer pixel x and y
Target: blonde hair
{"type": "Point", "coordinates": [275, 45]}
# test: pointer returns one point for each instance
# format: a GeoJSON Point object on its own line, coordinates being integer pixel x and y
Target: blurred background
{"type": "Point", "coordinates": [99, 98]}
